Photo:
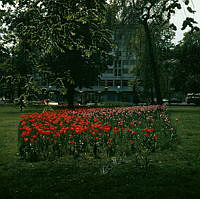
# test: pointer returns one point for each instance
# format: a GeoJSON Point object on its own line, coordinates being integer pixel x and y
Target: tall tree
{"type": "Point", "coordinates": [145, 13]}
{"type": "Point", "coordinates": [71, 37]}
{"type": "Point", "coordinates": [15, 68]}
{"type": "Point", "coordinates": [187, 70]}
{"type": "Point", "coordinates": [18, 66]}
{"type": "Point", "coordinates": [162, 38]}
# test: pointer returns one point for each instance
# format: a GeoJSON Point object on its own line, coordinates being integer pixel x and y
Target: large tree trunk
{"type": "Point", "coordinates": [11, 93]}
{"type": "Point", "coordinates": [70, 96]}
{"type": "Point", "coordinates": [19, 90]}
{"type": "Point", "coordinates": [153, 64]}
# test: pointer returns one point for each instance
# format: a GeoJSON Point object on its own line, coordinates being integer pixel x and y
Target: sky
{"type": "Point", "coordinates": [180, 15]}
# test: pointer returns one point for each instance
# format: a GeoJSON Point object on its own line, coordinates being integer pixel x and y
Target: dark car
{"type": "Point", "coordinates": [193, 98]}
{"type": "Point", "coordinates": [175, 100]}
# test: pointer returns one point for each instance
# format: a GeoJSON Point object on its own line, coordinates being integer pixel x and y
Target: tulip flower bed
{"type": "Point", "coordinates": [95, 132]}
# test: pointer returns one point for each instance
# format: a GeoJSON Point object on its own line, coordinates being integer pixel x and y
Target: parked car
{"type": "Point", "coordinates": [193, 98]}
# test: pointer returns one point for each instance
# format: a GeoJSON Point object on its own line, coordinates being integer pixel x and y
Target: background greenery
{"type": "Point", "coordinates": [173, 173]}
{"type": "Point", "coordinates": [67, 44]}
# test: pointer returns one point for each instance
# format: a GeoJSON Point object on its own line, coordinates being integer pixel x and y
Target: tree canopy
{"type": "Point", "coordinates": [152, 15]}
{"type": "Point", "coordinates": [71, 37]}
{"type": "Point", "coordinates": [187, 69]}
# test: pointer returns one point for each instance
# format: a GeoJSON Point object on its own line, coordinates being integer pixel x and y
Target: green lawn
{"type": "Point", "coordinates": [173, 173]}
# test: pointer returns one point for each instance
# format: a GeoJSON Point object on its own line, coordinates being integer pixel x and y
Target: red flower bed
{"type": "Point", "coordinates": [93, 131]}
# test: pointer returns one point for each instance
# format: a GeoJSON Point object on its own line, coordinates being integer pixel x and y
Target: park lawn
{"type": "Point", "coordinates": [173, 173]}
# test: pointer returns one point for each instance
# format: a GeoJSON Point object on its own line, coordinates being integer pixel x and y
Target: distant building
{"type": "Point", "coordinates": [113, 84]}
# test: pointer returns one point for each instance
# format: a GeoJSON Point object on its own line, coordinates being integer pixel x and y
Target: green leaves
{"type": "Point", "coordinates": [186, 2]}
{"type": "Point", "coordinates": [188, 22]}
{"type": "Point", "coordinates": [177, 5]}
{"type": "Point", "coordinates": [187, 68]}
{"type": "Point", "coordinates": [173, 27]}
{"type": "Point", "coordinates": [82, 20]}
{"type": "Point", "coordinates": [190, 10]}
{"type": "Point", "coordinates": [61, 36]}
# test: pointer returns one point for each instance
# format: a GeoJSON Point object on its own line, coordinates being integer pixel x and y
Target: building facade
{"type": "Point", "coordinates": [113, 84]}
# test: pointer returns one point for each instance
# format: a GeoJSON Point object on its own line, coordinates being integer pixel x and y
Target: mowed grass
{"type": "Point", "coordinates": [173, 174]}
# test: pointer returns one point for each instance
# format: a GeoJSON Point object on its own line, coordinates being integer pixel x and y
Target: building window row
{"type": "Point", "coordinates": [117, 71]}
{"type": "Point", "coordinates": [120, 53]}
{"type": "Point", "coordinates": [113, 83]}
{"type": "Point", "coordinates": [128, 62]}
{"type": "Point", "coordinates": [120, 63]}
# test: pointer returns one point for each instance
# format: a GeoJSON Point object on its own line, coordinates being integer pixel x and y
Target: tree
{"type": "Point", "coordinates": [162, 38]}
{"type": "Point", "coordinates": [187, 69]}
{"type": "Point", "coordinates": [16, 67]}
{"type": "Point", "coordinates": [141, 79]}
{"type": "Point", "coordinates": [163, 51]}
{"type": "Point", "coordinates": [145, 13]}
{"type": "Point", "coordinates": [71, 37]}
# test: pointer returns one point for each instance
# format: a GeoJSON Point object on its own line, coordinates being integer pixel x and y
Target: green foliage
{"type": "Point", "coordinates": [189, 22]}
{"type": "Point", "coordinates": [153, 17]}
{"type": "Point", "coordinates": [70, 39]}
{"type": "Point", "coordinates": [186, 69]}
{"type": "Point", "coordinates": [63, 26]}
{"type": "Point", "coordinates": [31, 90]}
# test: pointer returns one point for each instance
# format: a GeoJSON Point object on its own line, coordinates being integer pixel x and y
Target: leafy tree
{"type": "Point", "coordinates": [186, 77]}
{"type": "Point", "coordinates": [70, 37]}
{"type": "Point", "coordinates": [162, 38]}
{"type": "Point", "coordinates": [15, 70]}
{"type": "Point", "coordinates": [142, 81]}
{"type": "Point", "coordinates": [5, 79]}
{"type": "Point", "coordinates": [150, 14]}
{"type": "Point", "coordinates": [17, 65]}
{"type": "Point", "coordinates": [163, 48]}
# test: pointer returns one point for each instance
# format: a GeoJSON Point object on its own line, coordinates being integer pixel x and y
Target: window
{"type": "Point", "coordinates": [125, 70]}
{"type": "Point", "coordinates": [125, 62]}
{"type": "Point", "coordinates": [131, 62]}
{"type": "Point", "coordinates": [110, 71]}
{"type": "Point", "coordinates": [115, 64]}
{"type": "Point", "coordinates": [118, 36]}
{"type": "Point", "coordinates": [119, 63]}
{"type": "Point", "coordinates": [115, 72]}
{"type": "Point", "coordinates": [110, 83]}
{"type": "Point", "coordinates": [128, 53]}
{"type": "Point", "coordinates": [102, 83]}
{"type": "Point", "coordinates": [118, 53]}
{"type": "Point", "coordinates": [119, 72]}
{"type": "Point", "coordinates": [124, 83]}
{"type": "Point", "coordinates": [117, 83]}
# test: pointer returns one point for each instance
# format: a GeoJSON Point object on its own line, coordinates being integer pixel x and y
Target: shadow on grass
{"type": "Point", "coordinates": [124, 181]}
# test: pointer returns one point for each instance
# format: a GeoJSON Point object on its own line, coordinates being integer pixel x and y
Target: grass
{"type": "Point", "coordinates": [173, 174]}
